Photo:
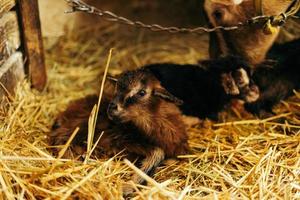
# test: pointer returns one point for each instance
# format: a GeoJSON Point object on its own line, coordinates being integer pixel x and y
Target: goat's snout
{"type": "Point", "coordinates": [112, 106]}
{"type": "Point", "coordinates": [113, 111]}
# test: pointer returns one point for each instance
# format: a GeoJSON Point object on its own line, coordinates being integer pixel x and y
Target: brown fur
{"type": "Point", "coordinates": [154, 115]}
{"type": "Point", "coordinates": [250, 42]}
{"type": "Point", "coordinates": [151, 127]}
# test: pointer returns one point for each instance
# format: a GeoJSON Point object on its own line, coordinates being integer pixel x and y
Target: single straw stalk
{"type": "Point", "coordinates": [94, 114]}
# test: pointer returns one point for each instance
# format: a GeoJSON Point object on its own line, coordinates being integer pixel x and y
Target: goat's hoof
{"type": "Point", "coordinates": [229, 85]}
{"type": "Point", "coordinates": [250, 93]}
{"type": "Point", "coordinates": [127, 191]}
{"type": "Point", "coordinates": [241, 78]}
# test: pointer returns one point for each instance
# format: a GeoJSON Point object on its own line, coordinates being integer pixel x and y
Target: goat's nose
{"type": "Point", "coordinates": [112, 111]}
{"type": "Point", "coordinates": [112, 106]}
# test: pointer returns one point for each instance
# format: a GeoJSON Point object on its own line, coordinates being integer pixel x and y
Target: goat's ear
{"type": "Point", "coordinates": [228, 2]}
{"type": "Point", "coordinates": [164, 94]}
{"type": "Point", "coordinates": [112, 79]}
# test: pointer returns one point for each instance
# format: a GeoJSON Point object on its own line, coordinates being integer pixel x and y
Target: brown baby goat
{"type": "Point", "coordinates": [141, 118]}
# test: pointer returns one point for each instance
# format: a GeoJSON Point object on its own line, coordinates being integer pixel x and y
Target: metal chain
{"type": "Point", "coordinates": [79, 6]}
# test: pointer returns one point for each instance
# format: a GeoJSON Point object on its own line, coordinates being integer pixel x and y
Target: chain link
{"type": "Point", "coordinates": [79, 6]}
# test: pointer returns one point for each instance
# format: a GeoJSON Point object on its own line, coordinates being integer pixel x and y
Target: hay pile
{"type": "Point", "coordinates": [245, 159]}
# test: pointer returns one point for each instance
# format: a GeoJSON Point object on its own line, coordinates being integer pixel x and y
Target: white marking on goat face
{"type": "Point", "coordinates": [226, 2]}
{"type": "Point", "coordinates": [237, 2]}
{"type": "Point", "coordinates": [136, 89]}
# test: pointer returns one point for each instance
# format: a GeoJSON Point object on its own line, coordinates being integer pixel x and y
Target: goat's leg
{"type": "Point", "coordinates": [151, 161]}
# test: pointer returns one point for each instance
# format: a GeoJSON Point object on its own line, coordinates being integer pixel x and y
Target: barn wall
{"type": "Point", "coordinates": [11, 64]}
{"type": "Point", "coordinates": [181, 12]}
{"type": "Point", "coordinates": [54, 20]}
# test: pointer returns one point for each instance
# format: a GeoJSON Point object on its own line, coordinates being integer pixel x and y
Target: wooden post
{"type": "Point", "coordinates": [32, 42]}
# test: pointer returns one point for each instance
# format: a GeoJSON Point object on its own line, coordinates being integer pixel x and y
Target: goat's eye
{"type": "Point", "coordinates": [130, 101]}
{"type": "Point", "coordinates": [218, 14]}
{"type": "Point", "coordinates": [141, 93]}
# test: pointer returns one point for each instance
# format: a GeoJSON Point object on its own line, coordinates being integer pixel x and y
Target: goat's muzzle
{"type": "Point", "coordinates": [112, 111]}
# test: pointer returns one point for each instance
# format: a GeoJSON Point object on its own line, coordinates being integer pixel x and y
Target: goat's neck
{"type": "Point", "coordinates": [154, 123]}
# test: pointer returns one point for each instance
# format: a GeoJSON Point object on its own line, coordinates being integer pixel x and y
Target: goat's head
{"type": "Point", "coordinates": [137, 93]}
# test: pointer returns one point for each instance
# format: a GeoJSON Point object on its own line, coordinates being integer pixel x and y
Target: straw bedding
{"type": "Point", "coordinates": [236, 158]}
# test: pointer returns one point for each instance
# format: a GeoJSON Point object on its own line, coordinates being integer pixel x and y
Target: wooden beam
{"type": "Point", "coordinates": [11, 73]}
{"type": "Point", "coordinates": [10, 37]}
{"type": "Point", "coordinates": [33, 43]}
{"type": "Point", "coordinates": [6, 5]}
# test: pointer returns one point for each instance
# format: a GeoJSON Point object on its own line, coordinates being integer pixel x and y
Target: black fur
{"type": "Point", "coordinates": [277, 81]}
{"type": "Point", "coordinates": [199, 86]}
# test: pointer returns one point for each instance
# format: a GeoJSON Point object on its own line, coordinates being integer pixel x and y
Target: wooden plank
{"type": "Point", "coordinates": [11, 73]}
{"type": "Point", "coordinates": [6, 5]}
{"type": "Point", "coordinates": [32, 42]}
{"type": "Point", "coordinates": [10, 37]}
